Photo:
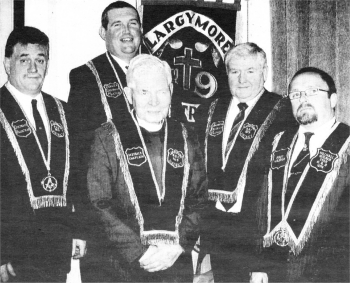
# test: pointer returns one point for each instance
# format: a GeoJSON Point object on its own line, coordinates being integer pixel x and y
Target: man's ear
{"type": "Point", "coordinates": [7, 65]}
{"type": "Point", "coordinates": [102, 33]}
{"type": "Point", "coordinates": [265, 72]}
{"type": "Point", "coordinates": [128, 93]}
{"type": "Point", "coordinates": [334, 100]}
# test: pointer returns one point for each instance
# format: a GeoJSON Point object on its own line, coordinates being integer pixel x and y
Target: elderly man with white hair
{"type": "Point", "coordinates": [147, 181]}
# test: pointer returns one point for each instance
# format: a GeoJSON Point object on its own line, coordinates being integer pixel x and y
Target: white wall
{"type": "Point", "coordinates": [6, 26]}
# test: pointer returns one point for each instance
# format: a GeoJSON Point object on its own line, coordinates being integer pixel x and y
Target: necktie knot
{"type": "Point", "coordinates": [34, 103]}
{"type": "Point", "coordinates": [242, 106]}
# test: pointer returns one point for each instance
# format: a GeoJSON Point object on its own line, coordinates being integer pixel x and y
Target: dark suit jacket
{"type": "Point", "coordinates": [41, 238]}
{"type": "Point", "coordinates": [232, 238]}
{"type": "Point", "coordinates": [110, 197]}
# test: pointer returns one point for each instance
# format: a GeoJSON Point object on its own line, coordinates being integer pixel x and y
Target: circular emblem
{"type": "Point", "coordinates": [49, 183]}
{"type": "Point", "coordinates": [175, 158]}
{"type": "Point", "coordinates": [281, 237]}
{"type": "Point", "coordinates": [248, 131]}
{"type": "Point", "coordinates": [57, 129]}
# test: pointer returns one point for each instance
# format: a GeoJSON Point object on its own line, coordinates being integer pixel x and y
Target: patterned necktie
{"type": "Point", "coordinates": [40, 129]}
{"type": "Point", "coordinates": [298, 167]}
{"type": "Point", "coordinates": [235, 126]}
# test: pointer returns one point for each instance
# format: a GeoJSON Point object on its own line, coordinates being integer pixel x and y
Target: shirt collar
{"type": "Point", "coordinates": [20, 96]}
{"type": "Point", "coordinates": [325, 128]}
{"type": "Point", "coordinates": [123, 65]}
{"type": "Point", "coordinates": [251, 102]}
{"type": "Point", "coordinates": [151, 127]}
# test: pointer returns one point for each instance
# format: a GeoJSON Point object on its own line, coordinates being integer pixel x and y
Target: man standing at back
{"type": "Point", "coordinates": [97, 87]}
{"type": "Point", "coordinates": [237, 127]}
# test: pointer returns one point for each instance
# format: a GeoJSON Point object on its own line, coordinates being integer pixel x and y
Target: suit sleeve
{"type": "Point", "coordinates": [102, 176]}
{"type": "Point", "coordinates": [197, 195]}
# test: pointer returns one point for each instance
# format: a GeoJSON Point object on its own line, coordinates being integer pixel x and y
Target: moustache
{"type": "Point", "coordinates": [304, 105]}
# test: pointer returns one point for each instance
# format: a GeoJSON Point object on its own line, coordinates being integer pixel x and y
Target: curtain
{"type": "Point", "coordinates": [312, 33]}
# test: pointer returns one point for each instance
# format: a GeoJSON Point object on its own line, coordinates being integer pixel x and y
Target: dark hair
{"type": "Point", "coordinates": [324, 76]}
{"type": "Point", "coordinates": [24, 36]}
{"type": "Point", "coordinates": [116, 5]}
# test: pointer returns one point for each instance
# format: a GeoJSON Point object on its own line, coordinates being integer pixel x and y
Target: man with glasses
{"type": "Point", "coordinates": [307, 196]}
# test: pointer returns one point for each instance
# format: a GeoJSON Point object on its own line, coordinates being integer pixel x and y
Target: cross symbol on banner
{"type": "Point", "coordinates": [188, 63]}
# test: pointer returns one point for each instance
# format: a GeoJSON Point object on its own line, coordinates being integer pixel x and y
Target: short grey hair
{"type": "Point", "coordinates": [244, 50]}
{"type": "Point", "coordinates": [147, 62]}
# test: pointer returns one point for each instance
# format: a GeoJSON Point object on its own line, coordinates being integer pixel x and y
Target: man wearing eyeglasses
{"type": "Point", "coordinates": [307, 197]}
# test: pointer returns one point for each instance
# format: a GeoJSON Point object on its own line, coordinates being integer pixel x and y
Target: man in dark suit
{"type": "Point", "coordinates": [238, 131]}
{"type": "Point", "coordinates": [306, 203]}
{"type": "Point", "coordinates": [36, 207]}
{"type": "Point", "coordinates": [97, 95]}
{"type": "Point", "coordinates": [147, 181]}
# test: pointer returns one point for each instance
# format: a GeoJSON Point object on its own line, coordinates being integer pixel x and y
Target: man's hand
{"type": "Point", "coordinates": [5, 270]}
{"type": "Point", "coordinates": [160, 257]}
{"type": "Point", "coordinates": [258, 277]}
{"type": "Point", "coordinates": [79, 247]}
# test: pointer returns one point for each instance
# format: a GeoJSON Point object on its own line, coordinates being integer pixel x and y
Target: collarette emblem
{"type": "Point", "coordinates": [175, 158]}
{"type": "Point", "coordinates": [57, 129]}
{"type": "Point", "coordinates": [135, 156]}
{"type": "Point", "coordinates": [248, 131]}
{"type": "Point", "coordinates": [216, 128]}
{"type": "Point", "coordinates": [21, 128]}
{"type": "Point", "coordinates": [112, 90]}
{"type": "Point", "coordinates": [281, 237]}
{"type": "Point", "coordinates": [324, 160]}
{"type": "Point", "coordinates": [279, 158]}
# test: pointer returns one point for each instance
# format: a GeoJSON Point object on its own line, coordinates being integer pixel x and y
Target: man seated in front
{"type": "Point", "coordinates": [147, 181]}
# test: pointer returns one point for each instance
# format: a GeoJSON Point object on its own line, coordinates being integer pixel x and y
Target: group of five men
{"type": "Point", "coordinates": [267, 191]}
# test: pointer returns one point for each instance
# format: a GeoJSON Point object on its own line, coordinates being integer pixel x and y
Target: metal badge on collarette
{"type": "Point", "coordinates": [175, 158]}
{"type": "Point", "coordinates": [281, 237]}
{"type": "Point", "coordinates": [279, 158]}
{"type": "Point", "coordinates": [57, 129]}
{"type": "Point", "coordinates": [324, 160]}
{"type": "Point", "coordinates": [113, 90]}
{"type": "Point", "coordinates": [49, 183]}
{"type": "Point", "coordinates": [248, 131]}
{"type": "Point", "coordinates": [135, 156]}
{"type": "Point", "coordinates": [21, 128]}
{"type": "Point", "coordinates": [216, 128]}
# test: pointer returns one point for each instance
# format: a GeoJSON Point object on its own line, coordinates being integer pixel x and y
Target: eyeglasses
{"type": "Point", "coordinates": [306, 92]}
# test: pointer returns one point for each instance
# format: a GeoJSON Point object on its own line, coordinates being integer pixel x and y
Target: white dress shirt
{"type": "Point", "coordinates": [230, 117]}
{"type": "Point", "coordinates": [123, 65]}
{"type": "Point", "coordinates": [316, 141]}
{"type": "Point", "coordinates": [25, 102]}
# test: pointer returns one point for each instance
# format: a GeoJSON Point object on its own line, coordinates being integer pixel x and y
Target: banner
{"type": "Point", "coordinates": [193, 37]}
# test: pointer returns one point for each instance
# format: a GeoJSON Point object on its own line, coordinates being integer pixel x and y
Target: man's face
{"type": "Point", "coordinates": [150, 95]}
{"type": "Point", "coordinates": [317, 109]}
{"type": "Point", "coordinates": [123, 34]}
{"type": "Point", "coordinates": [246, 77]}
{"type": "Point", "coordinates": [27, 67]}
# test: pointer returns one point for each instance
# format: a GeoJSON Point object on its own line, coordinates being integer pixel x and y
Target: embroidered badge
{"type": "Point", "coordinates": [279, 158]}
{"type": "Point", "coordinates": [21, 128]}
{"type": "Point", "coordinates": [175, 158]}
{"type": "Point", "coordinates": [248, 131]}
{"type": "Point", "coordinates": [323, 160]}
{"type": "Point", "coordinates": [57, 129]}
{"type": "Point", "coordinates": [112, 90]}
{"type": "Point", "coordinates": [216, 128]}
{"type": "Point", "coordinates": [135, 156]}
